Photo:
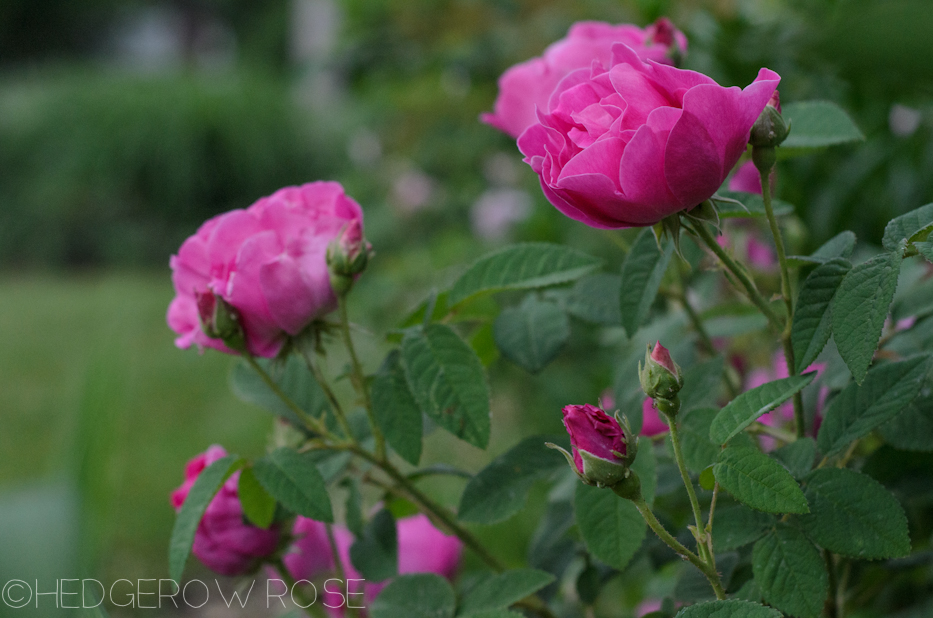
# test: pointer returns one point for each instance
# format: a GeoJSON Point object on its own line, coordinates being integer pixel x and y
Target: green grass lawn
{"type": "Point", "coordinates": [92, 390]}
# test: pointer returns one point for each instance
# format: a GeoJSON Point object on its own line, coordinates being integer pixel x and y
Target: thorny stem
{"type": "Point", "coordinates": [359, 378]}
{"type": "Point", "coordinates": [751, 291]}
{"type": "Point", "coordinates": [313, 424]}
{"type": "Point", "coordinates": [328, 392]}
{"type": "Point", "coordinates": [338, 563]}
{"type": "Point", "coordinates": [682, 466]}
{"type": "Point", "coordinates": [708, 570]}
{"type": "Point", "coordinates": [788, 299]}
{"type": "Point", "coordinates": [293, 588]}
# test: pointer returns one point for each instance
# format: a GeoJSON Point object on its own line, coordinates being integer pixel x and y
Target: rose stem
{"type": "Point", "coordinates": [338, 566]}
{"type": "Point", "coordinates": [359, 378]}
{"type": "Point", "coordinates": [788, 298]}
{"type": "Point", "coordinates": [293, 588]}
{"type": "Point", "coordinates": [313, 424]}
{"type": "Point", "coordinates": [664, 535]}
{"type": "Point", "coordinates": [328, 392]}
{"type": "Point", "coordinates": [679, 457]}
{"type": "Point", "coordinates": [739, 273]}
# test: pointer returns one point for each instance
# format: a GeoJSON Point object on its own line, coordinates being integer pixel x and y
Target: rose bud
{"type": "Point", "coordinates": [769, 131]}
{"type": "Point", "coordinates": [266, 263]}
{"type": "Point", "coordinates": [224, 541]}
{"type": "Point", "coordinates": [219, 320]}
{"type": "Point", "coordinates": [660, 377]}
{"type": "Point", "coordinates": [601, 450]}
{"type": "Point", "coordinates": [347, 256]}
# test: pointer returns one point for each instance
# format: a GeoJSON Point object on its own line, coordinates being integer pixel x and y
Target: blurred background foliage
{"type": "Point", "coordinates": [126, 123]}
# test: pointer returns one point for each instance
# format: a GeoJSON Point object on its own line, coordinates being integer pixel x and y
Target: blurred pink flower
{"type": "Point", "coordinates": [267, 262]}
{"type": "Point", "coordinates": [652, 424]}
{"type": "Point", "coordinates": [784, 414]}
{"type": "Point", "coordinates": [422, 548]}
{"type": "Point", "coordinates": [224, 541]}
{"type": "Point", "coordinates": [527, 87]}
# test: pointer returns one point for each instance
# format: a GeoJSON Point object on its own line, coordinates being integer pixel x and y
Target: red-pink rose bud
{"type": "Point", "coordinates": [775, 101]}
{"type": "Point", "coordinates": [598, 444]}
{"type": "Point", "coordinates": [662, 356]}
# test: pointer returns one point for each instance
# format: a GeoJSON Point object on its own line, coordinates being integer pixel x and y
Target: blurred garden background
{"type": "Point", "coordinates": [124, 124]}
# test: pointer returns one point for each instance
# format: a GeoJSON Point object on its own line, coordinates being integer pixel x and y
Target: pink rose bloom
{"type": "Point", "coordinates": [651, 422]}
{"type": "Point", "coordinates": [593, 431]}
{"type": "Point", "coordinates": [630, 143]}
{"type": "Point", "coordinates": [528, 86]}
{"type": "Point", "coordinates": [267, 262]}
{"type": "Point", "coordinates": [422, 548]}
{"type": "Point", "coordinates": [224, 542]}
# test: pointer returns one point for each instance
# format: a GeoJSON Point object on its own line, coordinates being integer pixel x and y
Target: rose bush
{"type": "Point", "coordinates": [628, 144]}
{"type": "Point", "coordinates": [527, 87]}
{"type": "Point", "coordinates": [267, 262]}
{"type": "Point", "coordinates": [224, 542]}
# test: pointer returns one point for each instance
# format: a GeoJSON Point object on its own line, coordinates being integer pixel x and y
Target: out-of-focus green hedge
{"type": "Point", "coordinates": [114, 169]}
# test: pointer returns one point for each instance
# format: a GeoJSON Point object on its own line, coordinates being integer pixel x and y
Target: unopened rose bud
{"type": "Point", "coordinates": [662, 32]}
{"type": "Point", "coordinates": [601, 454]}
{"type": "Point", "coordinates": [220, 321]}
{"type": "Point", "coordinates": [347, 256]}
{"type": "Point", "coordinates": [660, 376]}
{"type": "Point", "coordinates": [768, 132]}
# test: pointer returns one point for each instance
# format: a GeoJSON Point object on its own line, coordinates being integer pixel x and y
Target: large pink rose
{"type": "Point", "coordinates": [224, 542]}
{"type": "Point", "coordinates": [628, 144]}
{"type": "Point", "coordinates": [422, 548]}
{"type": "Point", "coordinates": [267, 261]}
{"type": "Point", "coordinates": [528, 86]}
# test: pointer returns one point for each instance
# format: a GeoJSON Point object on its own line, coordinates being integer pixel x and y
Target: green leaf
{"type": "Point", "coordinates": [707, 479]}
{"type": "Point", "coordinates": [186, 522]}
{"type": "Point", "coordinates": [699, 452]}
{"type": "Point", "coordinates": [594, 298]}
{"type": "Point", "coordinates": [448, 382]}
{"type": "Point", "coordinates": [492, 613]}
{"type": "Point", "coordinates": [736, 526]}
{"type": "Point", "coordinates": [790, 572]}
{"type": "Point", "coordinates": [532, 334]}
{"type": "Point", "coordinates": [498, 591]}
{"type": "Point", "coordinates": [798, 456]}
{"type": "Point", "coordinates": [732, 608]}
{"type": "Point", "coordinates": [499, 490]}
{"type": "Point", "coordinates": [692, 585]}
{"type": "Point", "coordinates": [912, 429]}
{"type": "Point", "coordinates": [642, 271]}
{"type": "Point", "coordinates": [858, 409]}
{"type": "Point", "coordinates": [818, 124]}
{"type": "Point", "coordinates": [522, 266]}
{"type": "Point", "coordinates": [483, 342]}
{"type": "Point", "coordinates": [396, 411]}
{"type": "Point", "coordinates": [611, 527]}
{"type": "Point", "coordinates": [375, 553]}
{"type": "Point", "coordinates": [909, 226]}
{"type": "Point", "coordinates": [839, 246]}
{"type": "Point", "coordinates": [853, 515]}
{"type": "Point", "coordinates": [258, 505]}
{"type": "Point", "coordinates": [293, 479]}
{"type": "Point", "coordinates": [925, 248]}
{"type": "Point", "coordinates": [747, 407]}
{"type": "Point", "coordinates": [758, 481]}
{"type": "Point", "coordinates": [860, 307]}
{"type": "Point", "coordinates": [294, 380]}
{"type": "Point", "coordinates": [422, 595]}
{"type": "Point", "coordinates": [702, 384]}
{"type": "Point", "coordinates": [754, 205]}
{"type": "Point", "coordinates": [812, 319]}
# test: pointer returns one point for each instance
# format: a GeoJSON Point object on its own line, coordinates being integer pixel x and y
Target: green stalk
{"type": "Point", "coordinates": [682, 466]}
{"type": "Point", "coordinates": [338, 566]}
{"type": "Point", "coordinates": [358, 377]}
{"type": "Point", "coordinates": [705, 568]}
{"type": "Point", "coordinates": [313, 424]}
{"type": "Point", "coordinates": [328, 392]}
{"type": "Point", "coordinates": [751, 291]}
{"type": "Point", "coordinates": [788, 298]}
